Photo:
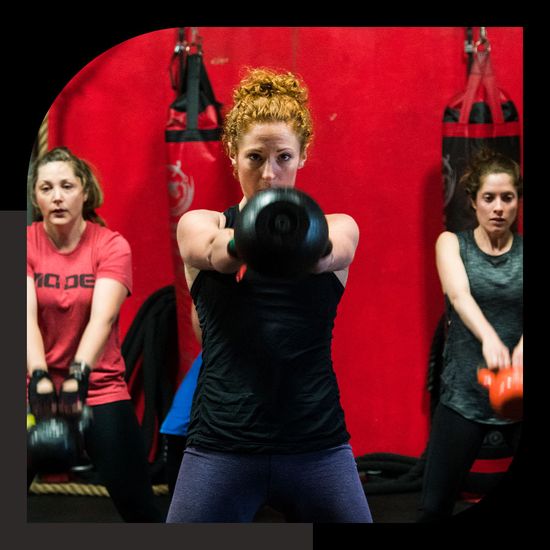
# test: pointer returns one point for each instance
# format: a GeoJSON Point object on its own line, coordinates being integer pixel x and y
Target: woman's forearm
{"type": "Point", "coordinates": [472, 316]}
{"type": "Point", "coordinates": [36, 356]}
{"type": "Point", "coordinates": [93, 341]}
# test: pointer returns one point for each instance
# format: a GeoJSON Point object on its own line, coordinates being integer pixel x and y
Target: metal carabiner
{"type": "Point", "coordinates": [482, 42]}
{"type": "Point", "coordinates": [196, 41]}
{"type": "Point", "coordinates": [180, 42]}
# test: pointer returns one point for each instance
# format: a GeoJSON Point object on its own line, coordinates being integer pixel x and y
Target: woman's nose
{"type": "Point", "coordinates": [268, 173]}
{"type": "Point", "coordinates": [57, 194]}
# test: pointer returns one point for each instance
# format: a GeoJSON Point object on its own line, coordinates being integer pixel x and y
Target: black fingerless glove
{"type": "Point", "coordinates": [80, 372]}
{"type": "Point", "coordinates": [42, 405]}
{"type": "Point", "coordinates": [69, 400]}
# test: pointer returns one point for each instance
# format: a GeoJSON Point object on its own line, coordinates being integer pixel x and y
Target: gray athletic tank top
{"type": "Point", "coordinates": [496, 284]}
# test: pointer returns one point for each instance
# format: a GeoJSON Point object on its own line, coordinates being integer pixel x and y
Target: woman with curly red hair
{"type": "Point", "coordinates": [266, 423]}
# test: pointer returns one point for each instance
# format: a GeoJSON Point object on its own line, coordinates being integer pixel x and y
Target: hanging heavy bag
{"type": "Point", "coordinates": [199, 173]}
{"type": "Point", "coordinates": [480, 116]}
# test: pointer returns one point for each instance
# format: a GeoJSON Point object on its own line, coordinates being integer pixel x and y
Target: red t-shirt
{"type": "Point", "coordinates": [64, 284]}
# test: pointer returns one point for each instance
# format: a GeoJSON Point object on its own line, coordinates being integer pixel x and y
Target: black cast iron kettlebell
{"type": "Point", "coordinates": [281, 232]}
{"type": "Point", "coordinates": [51, 446]}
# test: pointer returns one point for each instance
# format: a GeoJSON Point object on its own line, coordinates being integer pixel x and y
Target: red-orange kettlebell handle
{"type": "Point", "coordinates": [505, 390]}
{"type": "Point", "coordinates": [485, 377]}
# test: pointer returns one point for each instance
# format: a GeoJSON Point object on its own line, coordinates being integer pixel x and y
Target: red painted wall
{"type": "Point", "coordinates": [377, 96]}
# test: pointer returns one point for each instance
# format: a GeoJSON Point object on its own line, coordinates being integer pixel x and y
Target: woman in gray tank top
{"type": "Point", "coordinates": [481, 273]}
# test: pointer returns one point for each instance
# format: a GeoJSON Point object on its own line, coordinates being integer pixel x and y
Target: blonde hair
{"type": "Point", "coordinates": [82, 170]}
{"type": "Point", "coordinates": [266, 95]}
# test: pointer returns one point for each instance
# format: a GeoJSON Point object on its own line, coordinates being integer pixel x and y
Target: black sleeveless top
{"type": "Point", "coordinates": [496, 284]}
{"type": "Point", "coordinates": [267, 383]}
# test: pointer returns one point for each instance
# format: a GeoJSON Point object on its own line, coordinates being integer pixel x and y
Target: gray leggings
{"type": "Point", "coordinates": [320, 487]}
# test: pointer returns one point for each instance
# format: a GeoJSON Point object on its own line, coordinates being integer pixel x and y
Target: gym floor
{"type": "Point", "coordinates": [53, 508]}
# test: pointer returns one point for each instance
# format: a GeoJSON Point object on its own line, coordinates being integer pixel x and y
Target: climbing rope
{"type": "Point", "coordinates": [42, 139]}
{"type": "Point", "coordinates": [82, 489]}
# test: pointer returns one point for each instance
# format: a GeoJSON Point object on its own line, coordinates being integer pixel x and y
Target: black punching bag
{"type": "Point", "coordinates": [482, 115]}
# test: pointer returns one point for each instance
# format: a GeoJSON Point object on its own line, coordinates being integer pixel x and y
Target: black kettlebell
{"type": "Point", "coordinates": [81, 427]}
{"type": "Point", "coordinates": [51, 446]}
{"type": "Point", "coordinates": [281, 232]}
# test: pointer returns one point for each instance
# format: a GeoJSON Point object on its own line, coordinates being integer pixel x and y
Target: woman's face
{"type": "Point", "coordinates": [496, 203]}
{"type": "Point", "coordinates": [268, 155]}
{"type": "Point", "coordinates": [59, 194]}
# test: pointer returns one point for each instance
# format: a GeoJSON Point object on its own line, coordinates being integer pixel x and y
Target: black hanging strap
{"type": "Point", "coordinates": [469, 48]}
{"type": "Point", "coordinates": [194, 63]}
{"type": "Point", "coordinates": [177, 62]}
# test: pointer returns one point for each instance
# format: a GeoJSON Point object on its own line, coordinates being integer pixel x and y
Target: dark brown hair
{"type": "Point", "coordinates": [485, 162]}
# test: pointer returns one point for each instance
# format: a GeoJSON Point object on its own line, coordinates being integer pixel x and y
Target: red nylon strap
{"type": "Point", "coordinates": [474, 80]}
{"type": "Point", "coordinates": [493, 95]}
{"type": "Point", "coordinates": [240, 273]}
{"type": "Point", "coordinates": [481, 131]}
{"type": "Point", "coordinates": [491, 466]}
{"type": "Point", "coordinates": [481, 74]}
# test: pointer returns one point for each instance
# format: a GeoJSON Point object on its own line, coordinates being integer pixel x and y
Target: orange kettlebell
{"type": "Point", "coordinates": [505, 390]}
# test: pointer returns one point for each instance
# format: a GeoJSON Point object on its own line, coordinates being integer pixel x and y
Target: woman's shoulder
{"type": "Point", "coordinates": [447, 238]}
{"type": "Point", "coordinates": [33, 227]}
{"type": "Point", "coordinates": [448, 243]}
{"type": "Point", "coordinates": [102, 235]}
{"type": "Point", "coordinates": [101, 230]}
{"type": "Point", "coordinates": [197, 219]}
{"type": "Point", "coordinates": [518, 243]}
{"type": "Point", "coordinates": [34, 233]}
{"type": "Point", "coordinates": [456, 237]}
